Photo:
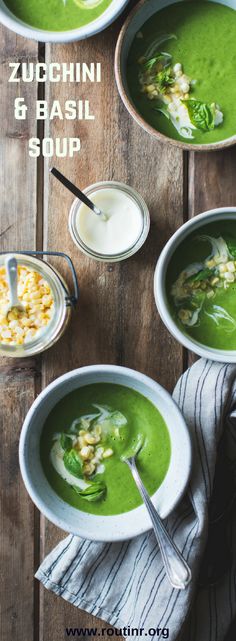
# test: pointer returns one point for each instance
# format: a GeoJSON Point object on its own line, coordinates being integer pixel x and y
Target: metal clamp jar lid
{"type": "Point", "coordinates": [63, 301]}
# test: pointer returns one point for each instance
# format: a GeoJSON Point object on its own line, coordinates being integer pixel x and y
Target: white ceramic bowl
{"type": "Point", "coordinates": [212, 215]}
{"type": "Point", "coordinates": [100, 528]}
{"type": "Point", "coordinates": [12, 22]}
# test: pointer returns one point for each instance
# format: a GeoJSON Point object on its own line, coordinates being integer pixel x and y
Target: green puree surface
{"type": "Point", "coordinates": [143, 418]}
{"type": "Point", "coordinates": [194, 250]}
{"type": "Point", "coordinates": [53, 15]}
{"type": "Point", "coordinates": [206, 47]}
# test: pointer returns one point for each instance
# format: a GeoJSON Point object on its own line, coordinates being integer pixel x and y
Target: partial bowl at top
{"type": "Point", "coordinates": [170, 68]}
{"type": "Point", "coordinates": [59, 20]}
{"type": "Point", "coordinates": [195, 284]}
{"type": "Point", "coordinates": [134, 404]}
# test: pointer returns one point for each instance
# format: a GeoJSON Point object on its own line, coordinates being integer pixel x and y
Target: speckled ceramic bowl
{"type": "Point", "coordinates": [144, 10]}
{"type": "Point", "coordinates": [120, 526]}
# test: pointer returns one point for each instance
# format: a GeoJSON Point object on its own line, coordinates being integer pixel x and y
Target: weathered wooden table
{"type": "Point", "coordinates": [116, 321]}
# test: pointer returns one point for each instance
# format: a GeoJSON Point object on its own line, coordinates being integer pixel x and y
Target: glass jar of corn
{"type": "Point", "coordinates": [46, 306]}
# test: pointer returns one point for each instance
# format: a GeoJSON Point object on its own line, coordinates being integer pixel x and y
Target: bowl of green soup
{"type": "Point", "coordinates": [173, 65]}
{"type": "Point", "coordinates": [73, 442]}
{"type": "Point", "coordinates": [59, 20]}
{"type": "Point", "coordinates": [195, 284]}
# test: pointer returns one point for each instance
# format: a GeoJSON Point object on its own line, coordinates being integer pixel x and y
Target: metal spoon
{"type": "Point", "coordinates": [77, 192]}
{"type": "Point", "coordinates": [177, 570]}
{"type": "Point", "coordinates": [11, 274]}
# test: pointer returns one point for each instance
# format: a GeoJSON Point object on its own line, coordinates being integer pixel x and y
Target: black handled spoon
{"type": "Point", "coordinates": [77, 192]}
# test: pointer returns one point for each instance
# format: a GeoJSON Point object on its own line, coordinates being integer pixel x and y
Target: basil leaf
{"type": "Point", "coordinates": [163, 55]}
{"type": "Point", "coordinates": [231, 244]}
{"type": "Point", "coordinates": [150, 63]}
{"type": "Point", "coordinates": [65, 441]}
{"type": "Point", "coordinates": [94, 492]}
{"type": "Point", "coordinates": [200, 113]}
{"type": "Point", "coordinates": [73, 463]}
{"type": "Point", "coordinates": [164, 79]}
{"type": "Point", "coordinates": [203, 274]}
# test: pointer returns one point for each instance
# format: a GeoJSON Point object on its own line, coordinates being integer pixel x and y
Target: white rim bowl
{"type": "Point", "coordinates": [103, 528]}
{"type": "Point", "coordinates": [211, 215]}
{"type": "Point", "coordinates": [8, 19]}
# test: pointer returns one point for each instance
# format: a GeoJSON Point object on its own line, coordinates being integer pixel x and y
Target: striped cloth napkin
{"type": "Point", "coordinates": [125, 583]}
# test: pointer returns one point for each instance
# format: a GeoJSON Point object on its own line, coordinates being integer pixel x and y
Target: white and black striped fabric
{"type": "Point", "coordinates": [125, 583]}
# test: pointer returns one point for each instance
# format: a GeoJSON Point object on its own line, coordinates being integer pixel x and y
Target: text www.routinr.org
{"type": "Point", "coordinates": [161, 633]}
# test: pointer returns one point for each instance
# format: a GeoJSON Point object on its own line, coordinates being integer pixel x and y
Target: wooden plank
{"type": "Point", "coordinates": [17, 513]}
{"type": "Point", "coordinates": [17, 379]}
{"type": "Point", "coordinates": [17, 170]}
{"type": "Point", "coordinates": [212, 180]}
{"type": "Point", "coordinates": [116, 320]}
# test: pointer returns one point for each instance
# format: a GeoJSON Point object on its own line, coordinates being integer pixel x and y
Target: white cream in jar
{"type": "Point", "coordinates": [124, 230]}
{"type": "Point", "coordinates": [118, 231]}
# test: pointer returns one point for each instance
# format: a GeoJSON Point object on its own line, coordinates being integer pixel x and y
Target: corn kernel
{"type": "Point", "coordinates": [150, 88]}
{"type": "Point", "coordinates": [89, 468]}
{"type": "Point", "coordinates": [20, 327]}
{"type": "Point", "coordinates": [91, 438]}
{"type": "Point", "coordinates": [87, 452]}
{"type": "Point", "coordinates": [81, 441]}
{"type": "Point", "coordinates": [99, 452]}
{"type": "Point", "coordinates": [229, 277]}
{"type": "Point", "coordinates": [107, 452]}
{"type": "Point", "coordinates": [210, 263]}
{"type": "Point", "coordinates": [230, 266]}
{"type": "Point", "coordinates": [222, 269]}
{"type": "Point", "coordinates": [184, 314]}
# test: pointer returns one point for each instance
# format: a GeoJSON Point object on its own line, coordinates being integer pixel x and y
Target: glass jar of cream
{"type": "Point", "coordinates": [120, 232]}
{"type": "Point", "coordinates": [46, 301]}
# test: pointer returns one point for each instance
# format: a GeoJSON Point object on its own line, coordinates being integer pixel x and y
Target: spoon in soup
{"type": "Point", "coordinates": [78, 193]}
{"type": "Point", "coordinates": [12, 277]}
{"type": "Point", "coordinates": [177, 570]}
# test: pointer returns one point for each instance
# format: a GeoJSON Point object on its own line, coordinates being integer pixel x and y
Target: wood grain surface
{"type": "Point", "coordinates": [116, 320]}
{"type": "Point", "coordinates": [18, 380]}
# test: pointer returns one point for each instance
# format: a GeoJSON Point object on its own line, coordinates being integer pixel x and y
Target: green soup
{"type": "Point", "coordinates": [202, 39]}
{"type": "Point", "coordinates": [57, 15]}
{"type": "Point", "coordinates": [132, 420]}
{"type": "Point", "coordinates": [201, 285]}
